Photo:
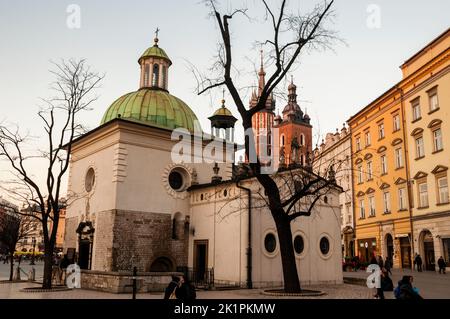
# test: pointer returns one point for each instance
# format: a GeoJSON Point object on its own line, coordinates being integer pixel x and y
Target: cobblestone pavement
{"type": "Point", "coordinates": [431, 285]}
{"type": "Point", "coordinates": [12, 291]}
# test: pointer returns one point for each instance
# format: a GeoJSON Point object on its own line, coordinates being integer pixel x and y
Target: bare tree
{"type": "Point", "coordinates": [292, 34]}
{"type": "Point", "coordinates": [74, 84]}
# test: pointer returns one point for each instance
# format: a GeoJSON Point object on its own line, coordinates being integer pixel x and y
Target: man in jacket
{"type": "Point", "coordinates": [441, 264]}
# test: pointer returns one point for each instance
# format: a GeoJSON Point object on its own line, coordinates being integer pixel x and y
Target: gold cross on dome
{"type": "Point", "coordinates": [157, 31]}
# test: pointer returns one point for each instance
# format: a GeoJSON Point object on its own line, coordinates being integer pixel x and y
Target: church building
{"type": "Point", "coordinates": [134, 206]}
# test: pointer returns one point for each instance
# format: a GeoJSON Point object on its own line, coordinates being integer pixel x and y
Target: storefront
{"type": "Point", "coordinates": [367, 248]}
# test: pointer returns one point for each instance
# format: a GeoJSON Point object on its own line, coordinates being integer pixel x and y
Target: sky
{"type": "Point", "coordinates": [332, 85]}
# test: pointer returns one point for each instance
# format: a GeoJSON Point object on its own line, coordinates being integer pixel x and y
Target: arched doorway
{"type": "Point", "coordinates": [428, 250]}
{"type": "Point", "coordinates": [389, 247]}
{"type": "Point", "coordinates": [162, 264]}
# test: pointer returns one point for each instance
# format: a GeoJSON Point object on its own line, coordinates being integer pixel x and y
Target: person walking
{"type": "Point", "coordinates": [442, 265]}
{"type": "Point", "coordinates": [380, 262]}
{"type": "Point", "coordinates": [388, 265]}
{"type": "Point", "coordinates": [406, 291]}
{"type": "Point", "coordinates": [418, 262]}
{"type": "Point", "coordinates": [186, 291]}
{"type": "Point", "coordinates": [170, 292]}
{"type": "Point", "coordinates": [373, 260]}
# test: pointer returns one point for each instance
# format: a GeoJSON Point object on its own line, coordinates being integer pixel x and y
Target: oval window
{"type": "Point", "coordinates": [299, 245]}
{"type": "Point", "coordinates": [270, 243]}
{"type": "Point", "coordinates": [89, 180]}
{"type": "Point", "coordinates": [324, 246]}
{"type": "Point", "coordinates": [176, 180]}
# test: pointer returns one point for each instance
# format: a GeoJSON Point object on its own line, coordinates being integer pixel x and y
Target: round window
{"type": "Point", "coordinates": [299, 245]}
{"type": "Point", "coordinates": [89, 180]}
{"type": "Point", "coordinates": [324, 246]}
{"type": "Point", "coordinates": [270, 243]}
{"type": "Point", "coordinates": [176, 180]}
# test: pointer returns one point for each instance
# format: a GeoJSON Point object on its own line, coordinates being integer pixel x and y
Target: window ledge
{"type": "Point", "coordinates": [382, 138]}
{"type": "Point", "coordinates": [395, 131]}
{"type": "Point", "coordinates": [383, 174]}
{"type": "Point", "coordinates": [398, 168]}
{"type": "Point", "coordinates": [419, 158]}
{"type": "Point", "coordinates": [442, 204]}
{"type": "Point", "coordinates": [372, 216]}
{"type": "Point", "coordinates": [361, 218]}
{"type": "Point", "coordinates": [370, 180]}
{"type": "Point", "coordinates": [402, 210]}
{"type": "Point", "coordinates": [416, 120]}
{"type": "Point", "coordinates": [435, 110]}
{"type": "Point", "coordinates": [438, 151]}
{"type": "Point", "coordinates": [387, 213]}
{"type": "Point", "coordinates": [423, 207]}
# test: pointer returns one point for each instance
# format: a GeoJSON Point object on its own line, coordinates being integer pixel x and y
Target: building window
{"type": "Point", "coordinates": [402, 199]}
{"type": "Point", "coordinates": [362, 211]}
{"type": "Point", "coordinates": [423, 195]}
{"type": "Point", "coordinates": [324, 246]}
{"type": "Point", "coordinates": [398, 158]}
{"type": "Point", "coordinates": [417, 115]}
{"type": "Point", "coordinates": [360, 174]}
{"type": "Point", "coordinates": [420, 150]}
{"type": "Point", "coordinates": [302, 140]}
{"type": "Point", "coordinates": [89, 180]}
{"type": "Point", "coordinates": [164, 77]}
{"type": "Point", "coordinates": [433, 100]}
{"type": "Point", "coordinates": [387, 202]}
{"type": "Point", "coordinates": [437, 140]}
{"type": "Point", "coordinates": [155, 79]}
{"type": "Point", "coordinates": [358, 144]}
{"type": "Point", "coordinates": [372, 206]}
{"type": "Point", "coordinates": [368, 141]}
{"type": "Point", "coordinates": [146, 75]}
{"type": "Point", "coordinates": [299, 244]}
{"type": "Point", "coordinates": [282, 140]}
{"type": "Point", "coordinates": [446, 254]}
{"type": "Point", "coordinates": [384, 169]}
{"type": "Point", "coordinates": [443, 190]}
{"type": "Point", "coordinates": [270, 243]}
{"type": "Point", "coordinates": [396, 123]}
{"type": "Point", "coordinates": [380, 131]}
{"type": "Point", "coordinates": [369, 171]}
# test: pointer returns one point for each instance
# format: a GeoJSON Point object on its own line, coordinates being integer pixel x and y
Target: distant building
{"type": "Point", "coordinates": [334, 156]}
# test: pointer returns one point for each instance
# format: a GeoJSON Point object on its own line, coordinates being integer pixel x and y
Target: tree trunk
{"type": "Point", "coordinates": [11, 266]}
{"type": "Point", "coordinates": [290, 273]}
{"type": "Point", "coordinates": [48, 265]}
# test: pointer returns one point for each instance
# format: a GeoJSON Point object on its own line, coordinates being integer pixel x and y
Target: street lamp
{"type": "Point", "coordinates": [33, 240]}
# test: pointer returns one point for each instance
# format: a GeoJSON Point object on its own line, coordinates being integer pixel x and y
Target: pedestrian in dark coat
{"type": "Point", "coordinates": [418, 262]}
{"type": "Point", "coordinates": [373, 260]}
{"type": "Point", "coordinates": [380, 262]}
{"type": "Point", "coordinates": [186, 291]}
{"type": "Point", "coordinates": [388, 265]}
{"type": "Point", "coordinates": [171, 287]}
{"type": "Point", "coordinates": [441, 264]}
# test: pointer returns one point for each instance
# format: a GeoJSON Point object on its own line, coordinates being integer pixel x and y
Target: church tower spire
{"type": "Point", "coordinates": [262, 75]}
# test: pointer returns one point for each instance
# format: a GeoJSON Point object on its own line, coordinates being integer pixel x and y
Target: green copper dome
{"type": "Point", "coordinates": [153, 107]}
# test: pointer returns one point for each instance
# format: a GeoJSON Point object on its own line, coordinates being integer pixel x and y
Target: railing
{"type": "Point", "coordinates": [200, 278]}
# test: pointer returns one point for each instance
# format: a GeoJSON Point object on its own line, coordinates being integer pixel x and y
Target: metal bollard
{"type": "Point", "coordinates": [134, 282]}
{"type": "Point", "coordinates": [32, 274]}
{"type": "Point", "coordinates": [16, 276]}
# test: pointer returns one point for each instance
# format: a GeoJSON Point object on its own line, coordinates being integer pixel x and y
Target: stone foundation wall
{"type": "Point", "coordinates": [142, 237]}
{"type": "Point", "coordinates": [121, 282]}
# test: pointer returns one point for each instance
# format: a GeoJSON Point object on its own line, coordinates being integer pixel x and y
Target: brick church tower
{"type": "Point", "coordinates": [294, 131]}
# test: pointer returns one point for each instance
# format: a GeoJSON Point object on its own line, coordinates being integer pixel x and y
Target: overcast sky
{"type": "Point", "coordinates": [113, 34]}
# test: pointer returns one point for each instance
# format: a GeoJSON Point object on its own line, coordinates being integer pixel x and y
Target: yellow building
{"type": "Point", "coordinates": [426, 96]}
{"type": "Point", "coordinates": [380, 196]}
{"type": "Point", "coordinates": [392, 184]}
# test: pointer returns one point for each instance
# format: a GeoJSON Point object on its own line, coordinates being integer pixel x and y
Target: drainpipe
{"type": "Point", "coordinates": [249, 240]}
{"type": "Point", "coordinates": [405, 139]}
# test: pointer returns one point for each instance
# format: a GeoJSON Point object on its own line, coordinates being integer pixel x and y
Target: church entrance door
{"type": "Point", "coordinates": [84, 252]}
{"type": "Point", "coordinates": [200, 259]}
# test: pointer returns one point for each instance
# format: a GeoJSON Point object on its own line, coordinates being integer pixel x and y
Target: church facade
{"type": "Point", "coordinates": [132, 205]}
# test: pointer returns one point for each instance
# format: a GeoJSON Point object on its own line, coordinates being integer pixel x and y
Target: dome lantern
{"type": "Point", "coordinates": [222, 123]}
{"type": "Point", "coordinates": [155, 65]}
